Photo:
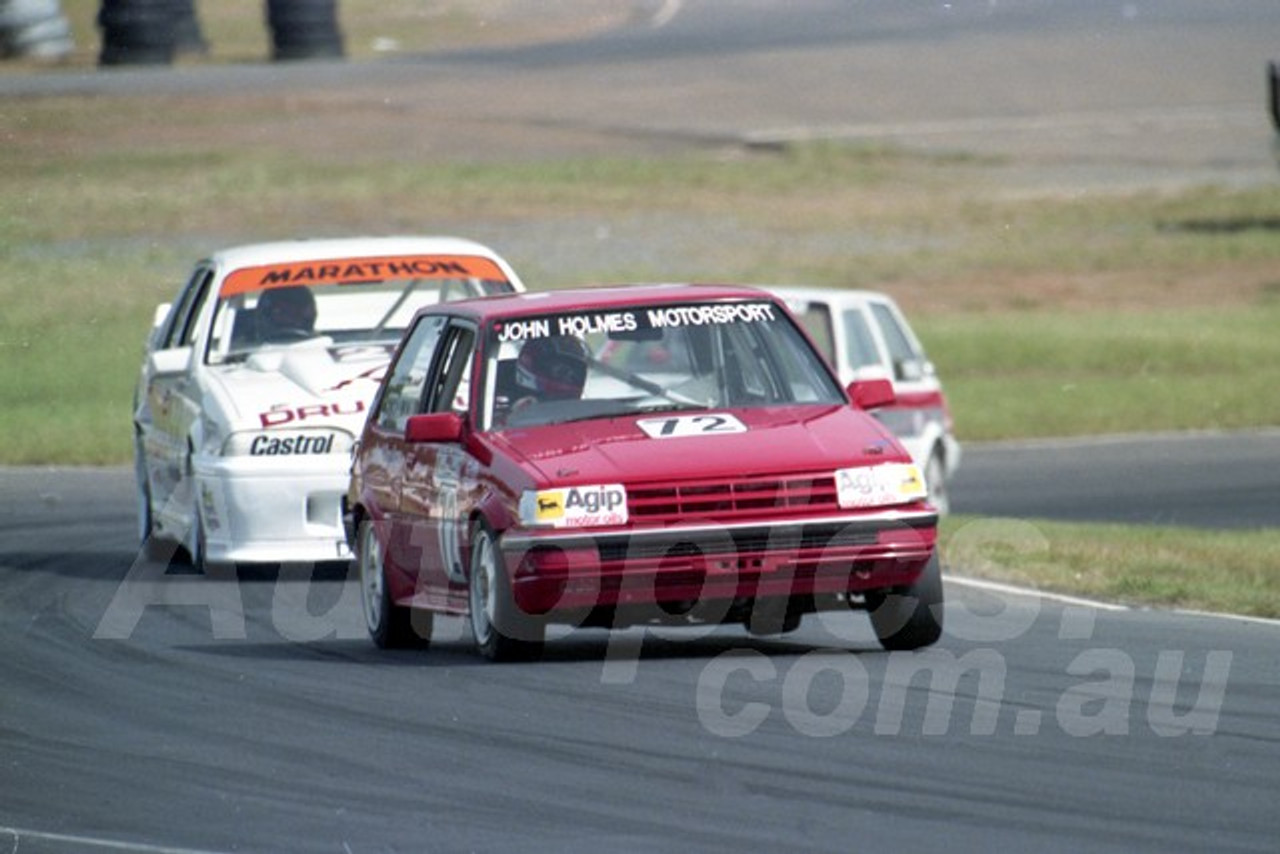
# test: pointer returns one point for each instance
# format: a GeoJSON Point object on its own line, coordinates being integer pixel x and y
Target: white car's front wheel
{"type": "Point", "coordinates": [146, 518]}
{"type": "Point", "coordinates": [935, 478]}
{"type": "Point", "coordinates": [195, 539]}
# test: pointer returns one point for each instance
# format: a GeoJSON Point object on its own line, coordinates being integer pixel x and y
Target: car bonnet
{"type": "Point", "coordinates": [302, 386]}
{"type": "Point", "coordinates": [774, 441]}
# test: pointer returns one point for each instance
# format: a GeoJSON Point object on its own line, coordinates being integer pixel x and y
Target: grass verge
{"type": "Point", "coordinates": [95, 232]}
{"type": "Point", "coordinates": [1234, 572]}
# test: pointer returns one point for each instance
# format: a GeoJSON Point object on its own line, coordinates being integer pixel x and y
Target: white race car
{"type": "Point", "coordinates": [257, 379]}
{"type": "Point", "coordinates": [866, 336]}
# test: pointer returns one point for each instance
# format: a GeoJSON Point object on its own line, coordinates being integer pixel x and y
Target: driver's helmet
{"type": "Point", "coordinates": [552, 368]}
{"type": "Point", "coordinates": [286, 313]}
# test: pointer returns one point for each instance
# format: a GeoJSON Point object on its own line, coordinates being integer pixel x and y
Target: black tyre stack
{"type": "Point", "coordinates": [187, 37]}
{"type": "Point", "coordinates": [137, 32]}
{"type": "Point", "coordinates": [34, 28]}
{"type": "Point", "coordinates": [1273, 93]}
{"type": "Point", "coordinates": [148, 32]}
{"type": "Point", "coordinates": [304, 29]}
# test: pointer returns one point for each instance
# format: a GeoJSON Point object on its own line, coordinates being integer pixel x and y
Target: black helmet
{"type": "Point", "coordinates": [286, 313]}
{"type": "Point", "coordinates": [553, 368]}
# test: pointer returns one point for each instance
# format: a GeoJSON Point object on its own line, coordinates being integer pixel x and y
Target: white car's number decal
{"type": "Point", "coordinates": [691, 425]}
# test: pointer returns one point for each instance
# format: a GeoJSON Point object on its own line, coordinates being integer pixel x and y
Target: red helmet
{"type": "Point", "coordinates": [553, 368]}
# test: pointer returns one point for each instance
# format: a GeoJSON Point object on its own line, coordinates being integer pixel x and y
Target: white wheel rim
{"type": "Point", "coordinates": [482, 589]}
{"type": "Point", "coordinates": [371, 578]}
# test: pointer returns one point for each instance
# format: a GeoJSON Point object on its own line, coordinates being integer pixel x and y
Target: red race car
{"type": "Point", "coordinates": [620, 456]}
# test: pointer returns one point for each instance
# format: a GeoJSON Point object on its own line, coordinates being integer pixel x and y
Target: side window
{"type": "Point", "coordinates": [451, 386]}
{"type": "Point", "coordinates": [181, 325]}
{"type": "Point", "coordinates": [408, 378]}
{"type": "Point", "coordinates": [907, 360]}
{"type": "Point", "coordinates": [860, 346]}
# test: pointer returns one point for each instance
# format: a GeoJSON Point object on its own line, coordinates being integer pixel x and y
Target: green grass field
{"type": "Point", "coordinates": [1235, 572]}
{"type": "Point", "coordinates": [92, 244]}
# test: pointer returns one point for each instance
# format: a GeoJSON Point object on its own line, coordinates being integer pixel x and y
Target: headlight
{"type": "Point", "coordinates": [574, 506]}
{"type": "Point", "coordinates": [877, 486]}
{"type": "Point", "coordinates": [287, 443]}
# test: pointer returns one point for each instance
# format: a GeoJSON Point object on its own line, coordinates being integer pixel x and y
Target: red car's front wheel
{"type": "Point", "coordinates": [502, 631]}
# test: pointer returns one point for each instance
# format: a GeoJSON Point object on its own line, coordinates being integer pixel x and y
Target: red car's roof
{"type": "Point", "coordinates": [605, 297]}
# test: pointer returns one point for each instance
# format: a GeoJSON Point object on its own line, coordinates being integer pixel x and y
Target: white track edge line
{"type": "Point", "coordinates": [998, 587]}
{"type": "Point", "coordinates": [19, 834]}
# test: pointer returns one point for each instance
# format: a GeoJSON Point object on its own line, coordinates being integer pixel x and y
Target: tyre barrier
{"type": "Point", "coordinates": [187, 36]}
{"type": "Point", "coordinates": [304, 29]}
{"type": "Point", "coordinates": [1273, 92]}
{"type": "Point", "coordinates": [35, 28]}
{"type": "Point", "coordinates": [137, 32]}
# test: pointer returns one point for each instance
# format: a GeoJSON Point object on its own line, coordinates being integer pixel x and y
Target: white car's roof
{"type": "Point", "coordinates": [254, 254]}
{"type": "Point", "coordinates": [838, 297]}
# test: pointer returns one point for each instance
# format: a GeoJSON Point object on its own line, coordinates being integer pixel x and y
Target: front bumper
{"type": "Point", "coordinates": [839, 555]}
{"type": "Point", "coordinates": [285, 510]}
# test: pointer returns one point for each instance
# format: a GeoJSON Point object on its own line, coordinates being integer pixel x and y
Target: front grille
{"type": "Point", "coordinates": [732, 500]}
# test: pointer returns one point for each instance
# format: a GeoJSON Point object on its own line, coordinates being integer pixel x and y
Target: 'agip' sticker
{"type": "Point", "coordinates": [582, 506]}
{"type": "Point", "coordinates": [876, 486]}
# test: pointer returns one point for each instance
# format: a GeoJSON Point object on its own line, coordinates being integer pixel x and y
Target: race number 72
{"type": "Point", "coordinates": [707, 424]}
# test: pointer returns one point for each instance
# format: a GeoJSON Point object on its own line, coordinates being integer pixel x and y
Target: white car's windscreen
{"type": "Point", "coordinates": [345, 314]}
{"type": "Point", "coordinates": [593, 364]}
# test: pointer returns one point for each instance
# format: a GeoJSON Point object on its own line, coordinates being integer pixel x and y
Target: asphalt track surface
{"type": "Point", "coordinates": [149, 712]}
{"type": "Point", "coordinates": [1199, 480]}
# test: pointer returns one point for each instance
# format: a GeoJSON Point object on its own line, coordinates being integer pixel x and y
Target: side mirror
{"type": "Point", "coordinates": [909, 370]}
{"type": "Point", "coordinates": [871, 394]}
{"type": "Point", "coordinates": [161, 314]}
{"type": "Point", "coordinates": [434, 427]}
{"type": "Point", "coordinates": [169, 362]}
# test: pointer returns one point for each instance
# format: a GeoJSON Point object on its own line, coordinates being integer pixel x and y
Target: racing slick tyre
{"type": "Point", "coordinates": [909, 617]}
{"type": "Point", "coordinates": [502, 631]}
{"type": "Point", "coordinates": [390, 626]}
{"type": "Point", "coordinates": [935, 478]}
